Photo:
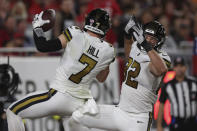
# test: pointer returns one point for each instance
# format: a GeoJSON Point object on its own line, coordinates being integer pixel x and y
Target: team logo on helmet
{"type": "Point", "coordinates": [91, 21]}
{"type": "Point", "coordinates": [150, 31]}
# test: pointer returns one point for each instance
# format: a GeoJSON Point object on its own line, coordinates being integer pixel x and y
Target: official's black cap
{"type": "Point", "coordinates": [179, 61]}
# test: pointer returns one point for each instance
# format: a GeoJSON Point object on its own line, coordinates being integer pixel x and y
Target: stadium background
{"type": "Point", "coordinates": [36, 69]}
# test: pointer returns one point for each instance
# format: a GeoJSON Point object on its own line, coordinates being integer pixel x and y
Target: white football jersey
{"type": "Point", "coordinates": [84, 57]}
{"type": "Point", "coordinates": [140, 87]}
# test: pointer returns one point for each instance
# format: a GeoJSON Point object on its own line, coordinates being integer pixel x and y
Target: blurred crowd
{"type": "Point", "coordinates": [179, 18]}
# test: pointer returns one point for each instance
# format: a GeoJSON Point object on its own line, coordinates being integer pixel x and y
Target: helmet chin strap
{"type": "Point", "coordinates": [159, 44]}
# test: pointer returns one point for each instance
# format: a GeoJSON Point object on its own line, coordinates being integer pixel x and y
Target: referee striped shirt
{"type": "Point", "coordinates": [182, 96]}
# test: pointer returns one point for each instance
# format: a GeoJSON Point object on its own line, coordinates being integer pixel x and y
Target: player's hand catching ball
{"type": "Point", "coordinates": [38, 22]}
{"type": "Point", "coordinates": [44, 20]}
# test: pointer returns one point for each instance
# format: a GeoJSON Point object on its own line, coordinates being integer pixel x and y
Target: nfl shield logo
{"type": "Point", "coordinates": [91, 21]}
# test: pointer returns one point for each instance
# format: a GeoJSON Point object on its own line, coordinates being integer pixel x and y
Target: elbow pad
{"type": "Point", "coordinates": [44, 45]}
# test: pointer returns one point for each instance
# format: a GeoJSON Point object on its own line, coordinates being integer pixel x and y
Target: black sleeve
{"type": "Point", "coordinates": [163, 95]}
{"type": "Point", "coordinates": [44, 45]}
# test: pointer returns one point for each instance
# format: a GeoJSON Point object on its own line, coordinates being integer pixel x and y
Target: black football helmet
{"type": "Point", "coordinates": [155, 29]}
{"type": "Point", "coordinates": [97, 21]}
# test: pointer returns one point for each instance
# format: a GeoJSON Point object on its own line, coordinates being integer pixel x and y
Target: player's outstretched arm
{"type": "Point", "coordinates": [102, 76]}
{"type": "Point", "coordinates": [128, 41]}
{"type": "Point", "coordinates": [127, 47]}
{"type": "Point", "coordinates": [41, 43]}
{"type": "Point", "coordinates": [160, 117]}
{"type": "Point", "coordinates": [157, 65]}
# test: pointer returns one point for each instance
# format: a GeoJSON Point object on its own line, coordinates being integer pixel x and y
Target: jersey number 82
{"type": "Point", "coordinates": [128, 74]}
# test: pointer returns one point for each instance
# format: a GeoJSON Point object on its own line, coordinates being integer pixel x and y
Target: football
{"type": "Point", "coordinates": [48, 14]}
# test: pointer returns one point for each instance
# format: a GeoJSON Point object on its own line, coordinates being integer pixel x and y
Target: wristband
{"type": "Point", "coordinates": [146, 46]}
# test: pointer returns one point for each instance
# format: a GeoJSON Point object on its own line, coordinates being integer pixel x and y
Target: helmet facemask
{"type": "Point", "coordinates": [156, 30]}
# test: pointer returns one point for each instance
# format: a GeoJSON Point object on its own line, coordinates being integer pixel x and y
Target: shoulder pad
{"type": "Point", "coordinates": [113, 53]}
{"type": "Point", "coordinates": [109, 51]}
{"type": "Point", "coordinates": [166, 58]}
{"type": "Point", "coordinates": [70, 32]}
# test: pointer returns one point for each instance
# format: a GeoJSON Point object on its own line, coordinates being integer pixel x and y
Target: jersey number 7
{"type": "Point", "coordinates": [132, 73]}
{"type": "Point", "coordinates": [90, 64]}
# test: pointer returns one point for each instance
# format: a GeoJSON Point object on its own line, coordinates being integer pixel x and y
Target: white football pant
{"type": "Point", "coordinates": [40, 104]}
{"type": "Point", "coordinates": [112, 118]}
